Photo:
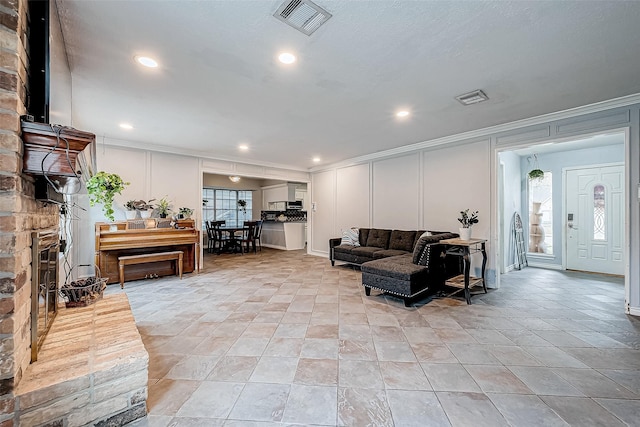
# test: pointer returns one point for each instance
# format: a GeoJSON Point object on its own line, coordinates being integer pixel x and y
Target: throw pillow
{"type": "Point", "coordinates": [421, 244]}
{"type": "Point", "coordinates": [350, 237]}
{"type": "Point", "coordinates": [426, 234]}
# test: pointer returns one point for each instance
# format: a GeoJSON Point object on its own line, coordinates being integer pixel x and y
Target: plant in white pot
{"type": "Point", "coordinates": [467, 220]}
{"type": "Point", "coordinates": [102, 187]}
{"type": "Point", "coordinates": [130, 209]}
{"type": "Point", "coordinates": [143, 207]}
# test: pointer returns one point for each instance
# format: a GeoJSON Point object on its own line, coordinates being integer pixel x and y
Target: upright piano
{"type": "Point", "coordinates": [114, 240]}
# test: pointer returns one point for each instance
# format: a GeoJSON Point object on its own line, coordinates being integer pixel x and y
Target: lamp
{"type": "Point", "coordinates": [234, 178]}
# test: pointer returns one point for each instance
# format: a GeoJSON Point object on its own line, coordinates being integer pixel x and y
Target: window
{"type": "Point", "coordinates": [541, 215]}
{"type": "Point", "coordinates": [599, 219]}
{"type": "Point", "coordinates": [221, 204]}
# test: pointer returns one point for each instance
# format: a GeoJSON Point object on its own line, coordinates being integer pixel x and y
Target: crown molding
{"type": "Point", "coordinates": [136, 145]}
{"type": "Point", "coordinates": [624, 101]}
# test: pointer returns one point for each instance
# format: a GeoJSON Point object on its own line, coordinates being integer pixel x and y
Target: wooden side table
{"type": "Point", "coordinates": [464, 249]}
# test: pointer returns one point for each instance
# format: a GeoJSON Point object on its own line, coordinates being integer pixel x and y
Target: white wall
{"type": "Point", "coordinates": [60, 78]}
{"type": "Point", "coordinates": [323, 197]}
{"type": "Point", "coordinates": [395, 187]}
{"type": "Point", "coordinates": [512, 197]}
{"type": "Point", "coordinates": [353, 200]}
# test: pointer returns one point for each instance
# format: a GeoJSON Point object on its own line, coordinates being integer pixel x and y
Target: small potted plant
{"type": "Point", "coordinates": [163, 207]}
{"type": "Point", "coordinates": [536, 174]}
{"type": "Point", "coordinates": [185, 213]}
{"type": "Point", "coordinates": [467, 220]}
{"type": "Point", "coordinates": [243, 205]}
{"type": "Point", "coordinates": [130, 209]}
{"type": "Point", "coordinates": [143, 207]}
{"type": "Point", "coordinates": [102, 187]}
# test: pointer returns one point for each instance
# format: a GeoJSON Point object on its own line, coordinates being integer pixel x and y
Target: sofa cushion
{"type": "Point", "coordinates": [351, 237]}
{"type": "Point", "coordinates": [364, 234]}
{"type": "Point", "coordinates": [402, 240]}
{"type": "Point", "coordinates": [385, 253]}
{"type": "Point", "coordinates": [378, 238]}
{"type": "Point", "coordinates": [366, 251]}
{"type": "Point", "coordinates": [343, 249]}
{"type": "Point", "coordinates": [397, 267]}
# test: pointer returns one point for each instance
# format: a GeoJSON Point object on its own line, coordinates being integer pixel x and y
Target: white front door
{"type": "Point", "coordinates": [595, 219]}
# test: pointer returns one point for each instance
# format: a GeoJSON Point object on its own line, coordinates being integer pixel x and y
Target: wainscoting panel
{"type": "Point", "coordinates": [353, 197]}
{"type": "Point", "coordinates": [395, 192]}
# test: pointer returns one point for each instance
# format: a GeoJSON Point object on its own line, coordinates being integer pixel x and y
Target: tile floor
{"type": "Point", "coordinates": [283, 338]}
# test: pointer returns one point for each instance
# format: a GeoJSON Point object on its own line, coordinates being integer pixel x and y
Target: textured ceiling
{"type": "Point", "coordinates": [219, 83]}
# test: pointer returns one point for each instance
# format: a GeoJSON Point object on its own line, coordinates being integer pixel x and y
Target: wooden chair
{"type": "Point", "coordinates": [249, 236]}
{"type": "Point", "coordinates": [258, 236]}
{"type": "Point", "coordinates": [219, 237]}
{"type": "Point", "coordinates": [211, 237]}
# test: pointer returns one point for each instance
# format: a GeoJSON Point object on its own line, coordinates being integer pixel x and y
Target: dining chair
{"type": "Point", "coordinates": [220, 237]}
{"type": "Point", "coordinates": [211, 237]}
{"type": "Point", "coordinates": [248, 236]}
{"type": "Point", "coordinates": [258, 236]}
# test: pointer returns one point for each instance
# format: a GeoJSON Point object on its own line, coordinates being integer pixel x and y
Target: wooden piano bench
{"type": "Point", "coordinates": [153, 257]}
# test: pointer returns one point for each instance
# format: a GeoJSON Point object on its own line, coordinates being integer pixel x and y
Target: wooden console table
{"type": "Point", "coordinates": [464, 249]}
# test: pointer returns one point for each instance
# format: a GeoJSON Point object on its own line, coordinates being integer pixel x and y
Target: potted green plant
{"type": "Point", "coordinates": [143, 207]}
{"type": "Point", "coordinates": [243, 205]}
{"type": "Point", "coordinates": [130, 209]}
{"type": "Point", "coordinates": [185, 213]}
{"type": "Point", "coordinates": [467, 220]}
{"type": "Point", "coordinates": [102, 187]}
{"type": "Point", "coordinates": [536, 174]}
{"type": "Point", "coordinates": [163, 207]}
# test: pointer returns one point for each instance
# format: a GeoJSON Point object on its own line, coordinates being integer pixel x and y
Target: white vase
{"type": "Point", "coordinates": [130, 214]}
{"type": "Point", "coordinates": [145, 214]}
{"type": "Point", "coordinates": [465, 233]}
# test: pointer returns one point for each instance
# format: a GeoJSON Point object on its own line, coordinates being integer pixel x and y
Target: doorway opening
{"type": "Point", "coordinates": [549, 208]}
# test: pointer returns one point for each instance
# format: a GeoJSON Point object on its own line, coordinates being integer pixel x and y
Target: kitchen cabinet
{"type": "Point", "coordinates": [284, 235]}
{"type": "Point", "coordinates": [278, 193]}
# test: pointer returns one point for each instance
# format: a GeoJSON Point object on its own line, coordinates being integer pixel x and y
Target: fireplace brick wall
{"type": "Point", "coordinates": [19, 212]}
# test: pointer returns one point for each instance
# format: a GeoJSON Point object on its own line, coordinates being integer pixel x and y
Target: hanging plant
{"type": "Point", "coordinates": [536, 174]}
{"type": "Point", "coordinates": [102, 187]}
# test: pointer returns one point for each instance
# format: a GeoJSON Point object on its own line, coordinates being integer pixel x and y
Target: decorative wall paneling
{"type": "Point", "coordinates": [353, 200]}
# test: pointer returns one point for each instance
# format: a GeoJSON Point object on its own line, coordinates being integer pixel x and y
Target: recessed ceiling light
{"type": "Point", "coordinates": [146, 61]}
{"type": "Point", "coordinates": [243, 147]}
{"type": "Point", "coordinates": [126, 126]}
{"type": "Point", "coordinates": [402, 113]}
{"type": "Point", "coordinates": [287, 58]}
{"type": "Point", "coordinates": [316, 160]}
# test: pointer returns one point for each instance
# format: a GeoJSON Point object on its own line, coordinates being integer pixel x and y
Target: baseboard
{"type": "Point", "coordinates": [317, 253]}
{"type": "Point", "coordinates": [544, 265]}
{"type": "Point", "coordinates": [634, 311]}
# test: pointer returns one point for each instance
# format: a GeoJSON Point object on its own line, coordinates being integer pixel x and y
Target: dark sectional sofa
{"type": "Point", "coordinates": [399, 262]}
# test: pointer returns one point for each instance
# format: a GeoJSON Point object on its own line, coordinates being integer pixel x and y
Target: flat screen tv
{"type": "Point", "coordinates": [37, 96]}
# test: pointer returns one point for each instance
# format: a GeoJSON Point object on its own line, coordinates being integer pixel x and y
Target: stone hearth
{"type": "Point", "coordinates": [92, 369]}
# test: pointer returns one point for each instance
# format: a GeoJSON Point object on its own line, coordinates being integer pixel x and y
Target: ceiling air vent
{"type": "Point", "coordinates": [472, 97]}
{"type": "Point", "coordinates": [303, 15]}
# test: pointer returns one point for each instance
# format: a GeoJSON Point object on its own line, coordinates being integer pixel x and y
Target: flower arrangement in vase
{"type": "Point", "coordinates": [467, 220]}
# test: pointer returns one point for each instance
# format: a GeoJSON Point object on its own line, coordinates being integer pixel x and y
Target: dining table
{"type": "Point", "coordinates": [232, 244]}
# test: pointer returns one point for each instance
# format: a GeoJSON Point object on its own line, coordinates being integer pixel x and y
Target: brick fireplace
{"type": "Point", "coordinates": [115, 385]}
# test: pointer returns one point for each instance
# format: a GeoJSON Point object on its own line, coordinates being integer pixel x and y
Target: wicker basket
{"type": "Point", "coordinates": [83, 292]}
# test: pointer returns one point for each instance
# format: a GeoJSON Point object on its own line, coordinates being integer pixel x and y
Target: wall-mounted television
{"type": "Point", "coordinates": [38, 70]}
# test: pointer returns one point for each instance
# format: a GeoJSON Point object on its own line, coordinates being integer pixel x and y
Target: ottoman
{"type": "Point", "coordinates": [397, 275]}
